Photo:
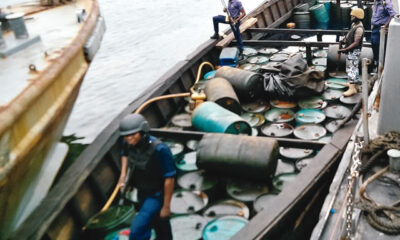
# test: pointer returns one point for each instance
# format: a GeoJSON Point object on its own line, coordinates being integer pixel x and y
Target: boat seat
{"type": "Point", "coordinates": [243, 27]}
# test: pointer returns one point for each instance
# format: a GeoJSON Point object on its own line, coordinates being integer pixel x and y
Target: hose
{"type": "Point", "coordinates": [144, 105]}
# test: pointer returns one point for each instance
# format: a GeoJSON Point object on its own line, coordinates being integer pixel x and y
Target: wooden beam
{"type": "Point", "coordinates": [299, 31]}
{"type": "Point", "coordinates": [243, 27]}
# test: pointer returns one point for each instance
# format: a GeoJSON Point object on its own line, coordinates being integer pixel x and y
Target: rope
{"type": "Point", "coordinates": [386, 222]}
{"type": "Point", "coordinates": [377, 147]}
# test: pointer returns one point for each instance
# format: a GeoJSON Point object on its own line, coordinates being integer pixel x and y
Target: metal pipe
{"type": "Point", "coordinates": [365, 63]}
{"type": "Point", "coordinates": [382, 41]}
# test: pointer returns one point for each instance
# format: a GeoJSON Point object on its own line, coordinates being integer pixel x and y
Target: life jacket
{"type": "Point", "coordinates": [146, 168]}
{"type": "Point", "coordinates": [350, 38]}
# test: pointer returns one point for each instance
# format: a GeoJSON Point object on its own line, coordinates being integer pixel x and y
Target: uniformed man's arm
{"type": "Point", "coordinates": [169, 173]}
{"type": "Point", "coordinates": [168, 191]}
{"type": "Point", "coordinates": [124, 169]}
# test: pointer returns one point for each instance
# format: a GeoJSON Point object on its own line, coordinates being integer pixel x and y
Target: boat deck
{"type": "Point", "coordinates": [54, 34]}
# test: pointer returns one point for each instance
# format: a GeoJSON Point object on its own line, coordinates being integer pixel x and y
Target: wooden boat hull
{"type": "Point", "coordinates": [84, 187]}
{"type": "Point", "coordinates": [35, 120]}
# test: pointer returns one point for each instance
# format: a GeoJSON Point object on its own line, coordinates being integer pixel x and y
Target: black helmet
{"type": "Point", "coordinates": [132, 124]}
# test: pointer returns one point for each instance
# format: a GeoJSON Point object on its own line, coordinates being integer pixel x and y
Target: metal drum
{"type": "Point", "coordinates": [176, 149]}
{"type": "Point", "coordinates": [258, 60]}
{"type": "Point", "coordinates": [313, 103]}
{"type": "Point", "coordinates": [227, 208]}
{"type": "Point", "coordinates": [336, 83]}
{"type": "Point", "coordinates": [183, 120]}
{"type": "Point", "coordinates": [188, 226]}
{"type": "Point", "coordinates": [249, 52]}
{"type": "Point", "coordinates": [262, 202]}
{"type": "Point", "coordinates": [333, 65]}
{"type": "Point", "coordinates": [337, 111]}
{"type": "Point", "coordinates": [325, 139]}
{"type": "Point", "coordinates": [302, 163]}
{"type": "Point", "coordinates": [319, 61]}
{"type": "Point", "coordinates": [198, 181]}
{"type": "Point", "coordinates": [250, 67]}
{"type": "Point", "coordinates": [241, 156]}
{"type": "Point", "coordinates": [302, 20]}
{"type": "Point", "coordinates": [187, 163]}
{"type": "Point", "coordinates": [257, 106]}
{"type": "Point", "coordinates": [295, 153]}
{"type": "Point", "coordinates": [333, 125]}
{"type": "Point", "coordinates": [309, 116]}
{"type": "Point", "coordinates": [254, 119]}
{"type": "Point", "coordinates": [277, 130]}
{"type": "Point", "coordinates": [279, 57]}
{"type": "Point", "coordinates": [345, 17]}
{"type": "Point", "coordinates": [220, 91]}
{"type": "Point", "coordinates": [301, 8]}
{"type": "Point", "coordinates": [327, 5]}
{"type": "Point", "coordinates": [283, 104]}
{"type": "Point", "coordinates": [353, 99]}
{"type": "Point", "coordinates": [268, 51]}
{"type": "Point", "coordinates": [320, 14]}
{"type": "Point", "coordinates": [320, 54]}
{"type": "Point", "coordinates": [223, 228]}
{"type": "Point", "coordinates": [103, 223]}
{"type": "Point", "coordinates": [245, 191]}
{"type": "Point", "coordinates": [309, 131]}
{"type": "Point", "coordinates": [187, 202]}
{"type": "Point", "coordinates": [209, 75]}
{"type": "Point", "coordinates": [277, 115]}
{"type": "Point", "coordinates": [192, 144]}
{"type": "Point", "coordinates": [248, 85]}
{"type": "Point", "coordinates": [281, 181]}
{"type": "Point", "coordinates": [331, 94]}
{"type": "Point", "coordinates": [210, 117]}
{"type": "Point", "coordinates": [284, 167]}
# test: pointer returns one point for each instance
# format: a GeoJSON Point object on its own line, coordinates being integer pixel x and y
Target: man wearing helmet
{"type": "Point", "coordinates": [353, 43]}
{"type": "Point", "coordinates": [152, 172]}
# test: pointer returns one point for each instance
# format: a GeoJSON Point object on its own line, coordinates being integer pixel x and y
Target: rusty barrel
{"type": "Point", "coordinates": [240, 156]}
{"type": "Point", "coordinates": [248, 85]}
{"type": "Point", "coordinates": [220, 91]}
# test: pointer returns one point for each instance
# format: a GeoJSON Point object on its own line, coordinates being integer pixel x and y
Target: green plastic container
{"type": "Point", "coordinates": [103, 223]}
{"type": "Point", "coordinates": [320, 14]}
{"type": "Point", "coordinates": [210, 117]}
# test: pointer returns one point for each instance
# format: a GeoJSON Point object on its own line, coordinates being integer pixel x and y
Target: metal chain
{"type": "Point", "coordinates": [356, 162]}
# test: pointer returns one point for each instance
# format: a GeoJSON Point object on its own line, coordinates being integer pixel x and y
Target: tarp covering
{"type": "Point", "coordinates": [293, 79]}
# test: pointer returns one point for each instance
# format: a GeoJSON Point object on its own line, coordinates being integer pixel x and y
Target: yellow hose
{"type": "Point", "coordinates": [144, 105]}
{"type": "Point", "coordinates": [199, 73]}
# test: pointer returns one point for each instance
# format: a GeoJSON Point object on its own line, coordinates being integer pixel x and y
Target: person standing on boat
{"type": "Point", "coordinates": [236, 13]}
{"type": "Point", "coordinates": [383, 13]}
{"type": "Point", "coordinates": [152, 172]}
{"type": "Point", "coordinates": [353, 44]}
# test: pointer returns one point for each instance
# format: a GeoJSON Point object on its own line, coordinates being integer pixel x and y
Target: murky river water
{"type": "Point", "coordinates": [144, 39]}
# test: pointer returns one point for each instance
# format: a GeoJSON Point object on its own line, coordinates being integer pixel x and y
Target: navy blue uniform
{"type": "Point", "coordinates": [149, 179]}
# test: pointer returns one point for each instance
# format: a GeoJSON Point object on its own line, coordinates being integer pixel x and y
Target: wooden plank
{"type": "Point", "coordinates": [275, 12]}
{"type": "Point", "coordinates": [282, 8]}
{"type": "Point", "coordinates": [260, 21]}
{"type": "Point", "coordinates": [289, 4]}
{"type": "Point", "coordinates": [247, 24]}
{"type": "Point", "coordinates": [268, 16]}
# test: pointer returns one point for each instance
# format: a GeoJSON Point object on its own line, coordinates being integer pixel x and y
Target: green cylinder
{"type": "Point", "coordinates": [103, 223]}
{"type": "Point", "coordinates": [320, 14]}
{"type": "Point", "coordinates": [210, 117]}
{"type": "Point", "coordinates": [252, 158]}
